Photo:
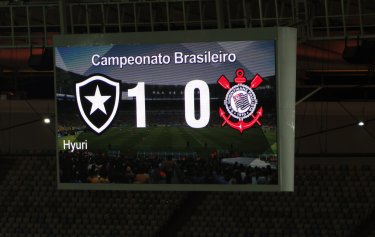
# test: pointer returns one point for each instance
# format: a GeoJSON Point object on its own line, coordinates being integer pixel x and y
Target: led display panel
{"type": "Point", "coordinates": [174, 110]}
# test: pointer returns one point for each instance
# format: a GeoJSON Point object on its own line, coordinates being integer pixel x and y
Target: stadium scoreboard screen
{"type": "Point", "coordinates": [196, 110]}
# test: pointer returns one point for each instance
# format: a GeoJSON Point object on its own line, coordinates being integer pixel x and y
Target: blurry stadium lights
{"type": "Point", "coordinates": [47, 120]}
{"type": "Point", "coordinates": [361, 123]}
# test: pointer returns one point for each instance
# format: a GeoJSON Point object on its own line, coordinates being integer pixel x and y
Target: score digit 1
{"type": "Point", "coordinates": [139, 93]}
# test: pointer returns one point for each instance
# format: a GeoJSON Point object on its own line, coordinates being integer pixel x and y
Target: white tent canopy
{"type": "Point", "coordinates": [246, 161]}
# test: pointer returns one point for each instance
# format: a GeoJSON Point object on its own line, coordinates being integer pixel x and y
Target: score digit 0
{"type": "Point", "coordinates": [204, 98]}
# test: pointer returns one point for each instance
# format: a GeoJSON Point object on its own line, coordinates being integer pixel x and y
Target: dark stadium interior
{"type": "Point", "coordinates": [334, 181]}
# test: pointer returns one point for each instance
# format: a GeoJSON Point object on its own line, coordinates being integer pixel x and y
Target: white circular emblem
{"type": "Point", "coordinates": [240, 101]}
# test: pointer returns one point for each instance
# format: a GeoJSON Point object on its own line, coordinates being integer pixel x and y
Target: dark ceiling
{"type": "Point", "coordinates": [325, 28]}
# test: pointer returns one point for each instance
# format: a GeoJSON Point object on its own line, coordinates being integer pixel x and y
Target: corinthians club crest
{"type": "Point", "coordinates": [240, 102]}
{"type": "Point", "coordinates": [98, 99]}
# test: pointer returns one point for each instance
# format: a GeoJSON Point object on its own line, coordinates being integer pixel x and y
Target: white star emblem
{"type": "Point", "coordinates": [98, 101]}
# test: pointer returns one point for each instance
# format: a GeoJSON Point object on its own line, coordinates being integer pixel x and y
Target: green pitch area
{"type": "Point", "coordinates": [130, 140]}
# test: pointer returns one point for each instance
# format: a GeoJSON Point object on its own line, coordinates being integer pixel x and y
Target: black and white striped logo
{"type": "Point", "coordinates": [240, 101]}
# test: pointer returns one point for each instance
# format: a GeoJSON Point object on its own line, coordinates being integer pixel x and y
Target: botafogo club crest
{"type": "Point", "coordinates": [98, 100]}
{"type": "Point", "coordinates": [240, 102]}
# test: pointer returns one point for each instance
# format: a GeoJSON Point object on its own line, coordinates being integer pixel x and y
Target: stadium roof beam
{"type": "Point", "coordinates": [32, 23]}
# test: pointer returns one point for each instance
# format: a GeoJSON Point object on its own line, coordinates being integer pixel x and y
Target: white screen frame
{"type": "Point", "coordinates": [286, 48]}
